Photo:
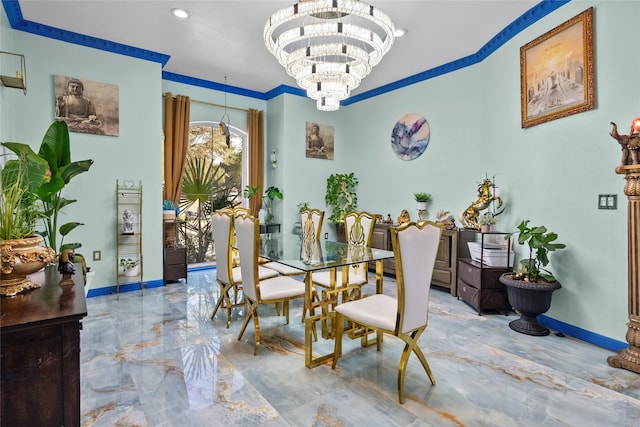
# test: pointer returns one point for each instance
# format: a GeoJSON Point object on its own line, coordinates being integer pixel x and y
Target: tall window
{"type": "Point", "coordinates": [214, 174]}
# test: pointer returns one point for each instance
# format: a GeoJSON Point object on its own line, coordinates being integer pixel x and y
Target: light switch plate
{"type": "Point", "coordinates": [607, 201]}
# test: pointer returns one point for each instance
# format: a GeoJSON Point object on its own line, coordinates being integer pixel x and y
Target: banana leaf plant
{"type": "Point", "coordinates": [205, 188]}
{"type": "Point", "coordinates": [55, 150]}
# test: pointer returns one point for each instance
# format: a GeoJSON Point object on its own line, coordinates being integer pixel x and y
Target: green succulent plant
{"type": "Point", "coordinates": [422, 197]}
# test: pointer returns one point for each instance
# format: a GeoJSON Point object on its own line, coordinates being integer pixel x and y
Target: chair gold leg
{"type": "Point", "coordinates": [285, 308]}
{"type": "Point", "coordinates": [228, 303]}
{"type": "Point", "coordinates": [256, 326]}
{"type": "Point", "coordinates": [246, 320]}
{"type": "Point", "coordinates": [338, 329]}
{"type": "Point", "coordinates": [411, 346]}
{"type": "Point", "coordinates": [218, 304]}
{"type": "Point", "coordinates": [418, 351]}
{"type": "Point", "coordinates": [225, 302]}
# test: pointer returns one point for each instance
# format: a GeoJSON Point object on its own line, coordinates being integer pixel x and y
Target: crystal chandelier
{"type": "Point", "coordinates": [329, 46]}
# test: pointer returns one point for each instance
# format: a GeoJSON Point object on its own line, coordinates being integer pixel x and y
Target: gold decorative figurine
{"type": "Point", "coordinates": [486, 195]}
{"type": "Point", "coordinates": [404, 217]}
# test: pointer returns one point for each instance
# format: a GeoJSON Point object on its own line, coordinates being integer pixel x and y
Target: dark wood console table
{"type": "Point", "coordinates": [40, 353]}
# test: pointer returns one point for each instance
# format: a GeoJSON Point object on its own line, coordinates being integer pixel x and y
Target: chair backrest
{"type": "Point", "coordinates": [415, 246]}
{"type": "Point", "coordinates": [222, 232]}
{"type": "Point", "coordinates": [358, 227]}
{"type": "Point", "coordinates": [247, 237]}
{"type": "Point", "coordinates": [311, 220]}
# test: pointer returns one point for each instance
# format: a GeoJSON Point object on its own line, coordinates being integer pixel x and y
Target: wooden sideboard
{"type": "Point", "coordinates": [445, 269]}
{"type": "Point", "coordinates": [381, 239]}
{"type": "Point", "coordinates": [40, 354]}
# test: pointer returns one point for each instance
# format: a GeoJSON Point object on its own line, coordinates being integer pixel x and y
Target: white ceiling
{"type": "Point", "coordinates": [224, 38]}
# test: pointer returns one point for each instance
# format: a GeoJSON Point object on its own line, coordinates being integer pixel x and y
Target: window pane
{"type": "Point", "coordinates": [212, 179]}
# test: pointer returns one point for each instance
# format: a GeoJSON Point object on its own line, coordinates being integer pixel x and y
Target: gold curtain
{"type": "Point", "coordinates": [176, 139]}
{"type": "Point", "coordinates": [256, 158]}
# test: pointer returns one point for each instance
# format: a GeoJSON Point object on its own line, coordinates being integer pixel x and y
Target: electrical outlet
{"type": "Point", "coordinates": [326, 236]}
{"type": "Point", "coordinates": [97, 255]}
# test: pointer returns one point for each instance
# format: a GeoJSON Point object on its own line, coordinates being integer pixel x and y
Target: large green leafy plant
{"type": "Point", "coordinates": [270, 194]}
{"type": "Point", "coordinates": [54, 158]}
{"type": "Point", "coordinates": [541, 242]}
{"type": "Point", "coordinates": [341, 195]}
{"type": "Point", "coordinates": [206, 187]}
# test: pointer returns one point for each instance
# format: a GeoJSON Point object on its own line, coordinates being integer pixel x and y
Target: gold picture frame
{"type": "Point", "coordinates": [557, 72]}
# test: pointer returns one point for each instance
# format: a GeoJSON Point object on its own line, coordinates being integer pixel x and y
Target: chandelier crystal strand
{"type": "Point", "coordinates": [329, 46]}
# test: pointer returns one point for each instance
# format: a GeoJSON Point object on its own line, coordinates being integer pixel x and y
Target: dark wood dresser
{"type": "Point", "coordinates": [174, 262]}
{"type": "Point", "coordinates": [40, 353]}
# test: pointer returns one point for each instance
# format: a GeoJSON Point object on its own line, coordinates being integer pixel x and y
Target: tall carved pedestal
{"type": "Point", "coordinates": [629, 358]}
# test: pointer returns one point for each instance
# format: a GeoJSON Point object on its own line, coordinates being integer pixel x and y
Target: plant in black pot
{"type": "Point", "coordinates": [530, 287]}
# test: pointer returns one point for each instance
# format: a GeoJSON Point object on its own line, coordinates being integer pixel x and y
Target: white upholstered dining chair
{"type": "Point", "coordinates": [415, 246]}
{"type": "Point", "coordinates": [229, 277]}
{"type": "Point", "coordinates": [358, 232]}
{"type": "Point", "coordinates": [278, 289]}
{"type": "Point", "coordinates": [311, 220]}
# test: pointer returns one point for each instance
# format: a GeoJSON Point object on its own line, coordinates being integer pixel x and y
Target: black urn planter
{"type": "Point", "coordinates": [530, 300]}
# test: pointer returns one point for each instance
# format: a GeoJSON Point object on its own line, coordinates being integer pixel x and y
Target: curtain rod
{"type": "Point", "coordinates": [214, 105]}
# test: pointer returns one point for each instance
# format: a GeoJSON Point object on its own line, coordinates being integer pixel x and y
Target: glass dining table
{"type": "Point", "coordinates": [310, 256]}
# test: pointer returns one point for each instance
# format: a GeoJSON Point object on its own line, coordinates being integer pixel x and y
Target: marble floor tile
{"type": "Point", "coordinates": [159, 360]}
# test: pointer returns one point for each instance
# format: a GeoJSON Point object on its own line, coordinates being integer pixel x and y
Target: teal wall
{"type": "Point", "coordinates": [136, 154]}
{"type": "Point", "coordinates": [550, 173]}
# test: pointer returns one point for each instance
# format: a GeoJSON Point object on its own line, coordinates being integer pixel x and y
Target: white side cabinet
{"type": "Point", "coordinates": [129, 262]}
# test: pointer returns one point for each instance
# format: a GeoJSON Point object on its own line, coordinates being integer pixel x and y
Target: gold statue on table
{"type": "Point", "coordinates": [486, 195]}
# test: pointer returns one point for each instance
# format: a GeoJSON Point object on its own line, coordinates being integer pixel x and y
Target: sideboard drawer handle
{"type": "Point", "coordinates": [470, 270]}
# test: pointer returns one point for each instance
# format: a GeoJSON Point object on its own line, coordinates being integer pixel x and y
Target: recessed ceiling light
{"type": "Point", "coordinates": [401, 32]}
{"type": "Point", "coordinates": [180, 13]}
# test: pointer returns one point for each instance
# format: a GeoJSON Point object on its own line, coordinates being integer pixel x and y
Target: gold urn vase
{"type": "Point", "coordinates": [20, 258]}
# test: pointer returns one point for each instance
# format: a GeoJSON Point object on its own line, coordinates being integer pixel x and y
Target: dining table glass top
{"type": "Point", "coordinates": [291, 250]}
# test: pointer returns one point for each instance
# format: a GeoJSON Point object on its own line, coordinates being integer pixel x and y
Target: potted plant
{"type": "Point", "coordinates": [270, 195]}
{"type": "Point", "coordinates": [168, 210]}
{"type": "Point", "coordinates": [130, 266]}
{"type": "Point", "coordinates": [486, 220]}
{"type": "Point", "coordinates": [21, 252]}
{"type": "Point", "coordinates": [530, 288]}
{"type": "Point", "coordinates": [55, 156]}
{"type": "Point", "coordinates": [252, 191]}
{"type": "Point", "coordinates": [422, 199]}
{"type": "Point", "coordinates": [302, 206]}
{"type": "Point", "coordinates": [341, 195]}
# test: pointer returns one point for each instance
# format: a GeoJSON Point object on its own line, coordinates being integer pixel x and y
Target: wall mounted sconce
{"type": "Point", "coordinates": [274, 159]}
{"type": "Point", "coordinates": [20, 80]}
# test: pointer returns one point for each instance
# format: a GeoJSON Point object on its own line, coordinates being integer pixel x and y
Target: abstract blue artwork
{"type": "Point", "coordinates": [410, 136]}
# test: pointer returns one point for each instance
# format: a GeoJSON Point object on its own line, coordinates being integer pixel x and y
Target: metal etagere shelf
{"type": "Point", "coordinates": [129, 234]}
